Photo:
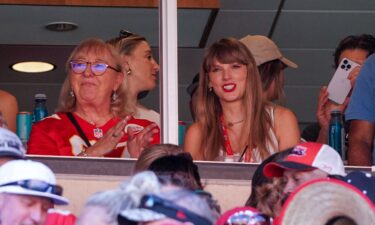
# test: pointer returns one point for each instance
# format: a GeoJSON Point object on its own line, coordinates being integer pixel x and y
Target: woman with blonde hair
{"type": "Point", "coordinates": [141, 73]}
{"type": "Point", "coordinates": [233, 121]}
{"type": "Point", "coordinates": [90, 118]}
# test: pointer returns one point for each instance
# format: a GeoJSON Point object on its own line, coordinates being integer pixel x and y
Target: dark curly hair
{"type": "Point", "coordinates": [363, 41]}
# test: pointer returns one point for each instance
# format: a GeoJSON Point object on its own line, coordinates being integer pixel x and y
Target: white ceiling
{"type": "Point", "coordinates": [307, 31]}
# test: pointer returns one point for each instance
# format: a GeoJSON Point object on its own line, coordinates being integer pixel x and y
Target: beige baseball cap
{"type": "Point", "coordinates": [265, 50]}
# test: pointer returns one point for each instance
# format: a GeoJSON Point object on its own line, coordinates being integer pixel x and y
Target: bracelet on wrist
{"type": "Point", "coordinates": [83, 153]}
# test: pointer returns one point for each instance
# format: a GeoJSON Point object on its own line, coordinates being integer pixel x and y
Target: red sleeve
{"type": "Point", "coordinates": [40, 143]}
{"type": "Point", "coordinates": [144, 123]}
{"type": "Point", "coordinates": [156, 138]}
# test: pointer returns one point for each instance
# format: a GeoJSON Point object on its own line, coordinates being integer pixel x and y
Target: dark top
{"type": "Point", "coordinates": [311, 132]}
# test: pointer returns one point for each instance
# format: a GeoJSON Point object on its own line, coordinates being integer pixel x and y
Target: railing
{"type": "Point", "coordinates": [124, 167]}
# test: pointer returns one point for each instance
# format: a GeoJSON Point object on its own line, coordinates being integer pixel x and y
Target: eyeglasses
{"type": "Point", "coordinates": [171, 210]}
{"type": "Point", "coordinates": [247, 217]}
{"type": "Point", "coordinates": [125, 33]}
{"type": "Point", "coordinates": [97, 68]}
{"type": "Point", "coordinates": [37, 185]}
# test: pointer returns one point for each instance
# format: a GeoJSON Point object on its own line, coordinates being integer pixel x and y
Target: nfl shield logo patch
{"type": "Point", "coordinates": [98, 133]}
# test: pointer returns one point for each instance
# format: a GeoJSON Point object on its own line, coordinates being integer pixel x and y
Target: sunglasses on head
{"type": "Point", "coordinates": [97, 68]}
{"type": "Point", "coordinates": [37, 185]}
{"type": "Point", "coordinates": [171, 210]}
{"type": "Point", "coordinates": [248, 217]}
{"type": "Point", "coordinates": [125, 33]}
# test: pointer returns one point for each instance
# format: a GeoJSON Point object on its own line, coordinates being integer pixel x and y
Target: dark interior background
{"type": "Point", "coordinates": [307, 32]}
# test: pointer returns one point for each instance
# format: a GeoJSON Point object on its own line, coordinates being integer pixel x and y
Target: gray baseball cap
{"type": "Point", "coordinates": [11, 145]}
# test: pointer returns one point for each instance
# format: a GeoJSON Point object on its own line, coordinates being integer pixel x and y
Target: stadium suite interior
{"type": "Point", "coordinates": [306, 31]}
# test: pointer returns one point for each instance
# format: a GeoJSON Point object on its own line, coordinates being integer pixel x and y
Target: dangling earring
{"type": "Point", "coordinates": [71, 93]}
{"type": "Point", "coordinates": [129, 71]}
{"type": "Point", "coordinates": [210, 89]}
{"type": "Point", "coordinates": [114, 96]}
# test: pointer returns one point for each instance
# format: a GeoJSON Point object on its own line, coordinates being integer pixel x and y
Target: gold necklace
{"type": "Point", "coordinates": [231, 124]}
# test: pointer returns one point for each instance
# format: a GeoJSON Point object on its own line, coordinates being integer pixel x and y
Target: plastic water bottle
{"type": "Point", "coordinates": [336, 133]}
{"type": "Point", "coordinates": [40, 108]}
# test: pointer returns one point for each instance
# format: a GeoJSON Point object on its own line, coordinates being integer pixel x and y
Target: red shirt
{"type": "Point", "coordinates": [56, 135]}
{"type": "Point", "coordinates": [60, 217]}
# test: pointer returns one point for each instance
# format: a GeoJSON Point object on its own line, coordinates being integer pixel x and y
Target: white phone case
{"type": "Point", "coordinates": [339, 86]}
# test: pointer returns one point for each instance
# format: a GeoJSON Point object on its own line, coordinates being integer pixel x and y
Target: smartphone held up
{"type": "Point", "coordinates": [339, 86]}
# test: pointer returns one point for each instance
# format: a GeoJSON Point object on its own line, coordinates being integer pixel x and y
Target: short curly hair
{"type": "Point", "coordinates": [363, 41]}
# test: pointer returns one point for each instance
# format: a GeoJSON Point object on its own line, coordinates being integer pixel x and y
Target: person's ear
{"type": "Point", "coordinates": [125, 63]}
{"type": "Point", "coordinates": [209, 86]}
{"type": "Point", "coordinates": [128, 70]}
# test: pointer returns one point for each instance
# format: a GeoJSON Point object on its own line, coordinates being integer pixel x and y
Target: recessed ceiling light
{"type": "Point", "coordinates": [61, 26]}
{"type": "Point", "coordinates": [33, 67]}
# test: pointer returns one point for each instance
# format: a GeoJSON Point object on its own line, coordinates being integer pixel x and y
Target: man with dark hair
{"type": "Point", "coordinates": [178, 165]}
{"type": "Point", "coordinates": [352, 42]}
{"type": "Point", "coordinates": [357, 49]}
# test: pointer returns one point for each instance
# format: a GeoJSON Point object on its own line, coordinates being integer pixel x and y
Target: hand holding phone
{"type": "Point", "coordinates": [339, 86]}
